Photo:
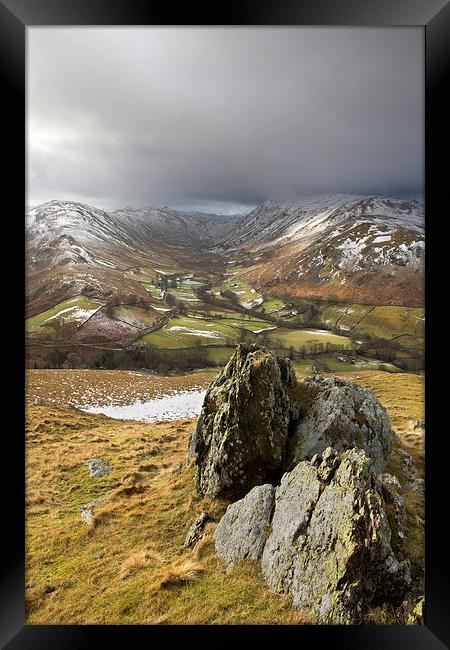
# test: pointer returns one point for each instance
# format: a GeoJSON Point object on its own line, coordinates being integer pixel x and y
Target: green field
{"type": "Point", "coordinates": [136, 316]}
{"type": "Point", "coordinates": [306, 338]}
{"type": "Point", "coordinates": [183, 292]}
{"type": "Point", "coordinates": [406, 324]}
{"type": "Point", "coordinates": [387, 322]}
{"type": "Point", "coordinates": [141, 274]}
{"type": "Point", "coordinates": [345, 316]}
{"type": "Point", "coordinates": [247, 295]}
{"type": "Point", "coordinates": [155, 292]}
{"type": "Point", "coordinates": [329, 363]}
{"type": "Point", "coordinates": [251, 324]}
{"type": "Point", "coordinates": [219, 356]}
{"type": "Point", "coordinates": [185, 331]}
{"type": "Point", "coordinates": [271, 306]}
{"type": "Point", "coordinates": [74, 310]}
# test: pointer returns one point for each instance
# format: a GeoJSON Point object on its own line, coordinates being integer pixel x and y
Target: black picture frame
{"type": "Point", "coordinates": [15, 16]}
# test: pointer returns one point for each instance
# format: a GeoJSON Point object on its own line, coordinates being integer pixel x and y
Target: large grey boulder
{"type": "Point", "coordinates": [323, 536]}
{"type": "Point", "coordinates": [330, 542]}
{"type": "Point", "coordinates": [243, 529]}
{"type": "Point", "coordinates": [341, 415]}
{"type": "Point", "coordinates": [241, 435]}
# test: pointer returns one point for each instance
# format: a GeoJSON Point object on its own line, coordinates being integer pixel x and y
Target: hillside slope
{"type": "Point", "coordinates": [367, 249]}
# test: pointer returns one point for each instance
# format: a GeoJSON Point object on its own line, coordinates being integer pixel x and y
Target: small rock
{"type": "Point", "coordinates": [418, 485]}
{"type": "Point", "coordinates": [392, 493]}
{"type": "Point", "coordinates": [98, 467]}
{"type": "Point", "coordinates": [396, 438]}
{"type": "Point", "coordinates": [243, 529]}
{"type": "Point", "coordinates": [294, 413]}
{"type": "Point", "coordinates": [87, 514]}
{"type": "Point", "coordinates": [39, 401]}
{"type": "Point", "coordinates": [195, 531]}
{"type": "Point", "coordinates": [408, 466]}
{"type": "Point", "coordinates": [178, 470]}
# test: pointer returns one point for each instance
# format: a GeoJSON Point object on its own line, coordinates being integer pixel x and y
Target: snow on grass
{"type": "Point", "coordinates": [252, 303]}
{"type": "Point", "coordinates": [185, 404]}
{"type": "Point", "coordinates": [381, 238]}
{"type": "Point", "coordinates": [193, 332]}
{"type": "Point", "coordinates": [76, 310]}
{"type": "Point", "coordinates": [73, 314]}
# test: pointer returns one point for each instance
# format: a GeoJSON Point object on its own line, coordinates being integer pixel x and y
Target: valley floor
{"type": "Point", "coordinates": [129, 566]}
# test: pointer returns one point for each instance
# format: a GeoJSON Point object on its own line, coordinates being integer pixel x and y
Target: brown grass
{"type": "Point", "coordinates": [184, 570]}
{"type": "Point", "coordinates": [139, 560]}
{"type": "Point", "coordinates": [130, 566]}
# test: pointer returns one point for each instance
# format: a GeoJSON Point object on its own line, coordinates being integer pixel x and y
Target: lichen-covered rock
{"type": "Point", "coordinates": [243, 529]}
{"type": "Point", "coordinates": [341, 415]}
{"type": "Point", "coordinates": [395, 504]}
{"type": "Point", "coordinates": [330, 542]}
{"type": "Point", "coordinates": [98, 467]}
{"type": "Point", "coordinates": [241, 435]}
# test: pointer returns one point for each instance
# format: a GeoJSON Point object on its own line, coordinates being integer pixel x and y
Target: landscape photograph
{"type": "Point", "coordinates": [224, 328]}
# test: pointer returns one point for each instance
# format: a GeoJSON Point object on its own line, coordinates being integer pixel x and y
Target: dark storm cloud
{"type": "Point", "coordinates": [221, 119]}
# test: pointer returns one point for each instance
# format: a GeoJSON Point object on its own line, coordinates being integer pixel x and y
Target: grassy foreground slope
{"type": "Point", "coordinates": [130, 566]}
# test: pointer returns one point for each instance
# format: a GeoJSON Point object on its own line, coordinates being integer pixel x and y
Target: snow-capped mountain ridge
{"type": "Point", "coordinates": [360, 246]}
{"type": "Point", "coordinates": [319, 244]}
{"type": "Point", "coordinates": [275, 221]}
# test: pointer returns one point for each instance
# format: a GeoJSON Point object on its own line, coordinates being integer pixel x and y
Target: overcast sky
{"type": "Point", "coordinates": [221, 119]}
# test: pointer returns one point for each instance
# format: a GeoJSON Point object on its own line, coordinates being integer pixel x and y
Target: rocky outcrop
{"type": "Point", "coordinates": [241, 435]}
{"type": "Point", "coordinates": [306, 462]}
{"type": "Point", "coordinates": [329, 545]}
{"type": "Point", "coordinates": [243, 530]}
{"type": "Point", "coordinates": [256, 423]}
{"type": "Point", "coordinates": [342, 415]}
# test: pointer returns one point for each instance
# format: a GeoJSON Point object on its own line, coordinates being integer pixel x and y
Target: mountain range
{"type": "Point", "coordinates": [361, 248]}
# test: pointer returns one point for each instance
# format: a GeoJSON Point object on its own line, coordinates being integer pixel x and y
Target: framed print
{"type": "Point", "coordinates": [226, 318]}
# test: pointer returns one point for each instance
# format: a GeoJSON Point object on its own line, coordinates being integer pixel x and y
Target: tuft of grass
{"type": "Point", "coordinates": [182, 571]}
{"type": "Point", "coordinates": [138, 560]}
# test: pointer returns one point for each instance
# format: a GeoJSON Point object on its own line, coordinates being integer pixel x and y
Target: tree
{"type": "Point", "coordinates": [55, 358]}
{"type": "Point", "coordinates": [170, 300]}
{"type": "Point", "coordinates": [73, 360]}
{"type": "Point", "coordinates": [109, 309]}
